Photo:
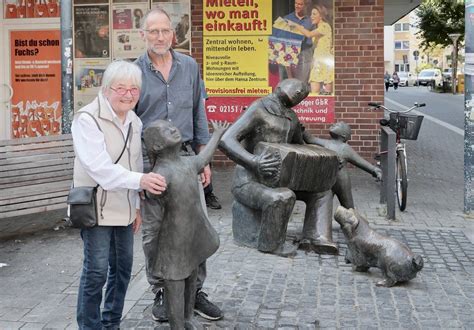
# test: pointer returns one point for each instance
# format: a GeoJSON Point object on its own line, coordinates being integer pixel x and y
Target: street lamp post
{"type": "Point", "coordinates": [454, 37]}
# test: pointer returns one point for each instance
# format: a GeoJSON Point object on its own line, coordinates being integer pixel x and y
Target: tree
{"type": "Point", "coordinates": [437, 20]}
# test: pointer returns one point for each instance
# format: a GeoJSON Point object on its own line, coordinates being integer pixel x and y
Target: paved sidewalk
{"type": "Point", "coordinates": [38, 286]}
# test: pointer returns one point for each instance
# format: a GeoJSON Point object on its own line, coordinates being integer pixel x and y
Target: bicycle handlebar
{"type": "Point", "coordinates": [378, 105]}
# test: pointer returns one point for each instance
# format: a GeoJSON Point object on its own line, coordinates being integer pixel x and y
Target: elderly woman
{"type": "Point", "coordinates": [322, 71]}
{"type": "Point", "coordinates": [100, 132]}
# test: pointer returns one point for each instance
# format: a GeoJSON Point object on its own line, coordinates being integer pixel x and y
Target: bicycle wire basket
{"type": "Point", "coordinates": [409, 125]}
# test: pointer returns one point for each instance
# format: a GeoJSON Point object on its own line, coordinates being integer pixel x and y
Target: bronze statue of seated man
{"type": "Point", "coordinates": [262, 207]}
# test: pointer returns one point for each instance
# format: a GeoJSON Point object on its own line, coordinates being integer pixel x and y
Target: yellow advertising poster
{"type": "Point", "coordinates": [237, 17]}
{"type": "Point", "coordinates": [249, 46]}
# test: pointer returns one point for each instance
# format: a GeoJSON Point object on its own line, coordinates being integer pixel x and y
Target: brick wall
{"type": "Point", "coordinates": [359, 56]}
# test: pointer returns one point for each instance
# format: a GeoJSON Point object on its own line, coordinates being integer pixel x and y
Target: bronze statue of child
{"type": "Point", "coordinates": [186, 237]}
{"type": "Point", "coordinates": [341, 133]}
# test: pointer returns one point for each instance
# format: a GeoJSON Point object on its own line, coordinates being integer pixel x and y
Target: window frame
{"type": "Point", "coordinates": [401, 27]}
{"type": "Point", "coordinates": [404, 45]}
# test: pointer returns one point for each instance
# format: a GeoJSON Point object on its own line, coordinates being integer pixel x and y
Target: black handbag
{"type": "Point", "coordinates": [83, 207]}
{"type": "Point", "coordinates": [82, 201]}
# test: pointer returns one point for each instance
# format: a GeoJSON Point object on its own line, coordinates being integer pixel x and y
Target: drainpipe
{"type": "Point", "coordinates": [67, 79]}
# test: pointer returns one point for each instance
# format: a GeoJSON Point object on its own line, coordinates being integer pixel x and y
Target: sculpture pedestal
{"type": "Point", "coordinates": [245, 225]}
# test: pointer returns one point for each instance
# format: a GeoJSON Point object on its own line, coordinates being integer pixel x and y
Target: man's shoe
{"type": "Point", "coordinates": [211, 201]}
{"type": "Point", "coordinates": [319, 245]}
{"type": "Point", "coordinates": [205, 308]}
{"type": "Point", "coordinates": [159, 312]}
{"type": "Point", "coordinates": [286, 250]}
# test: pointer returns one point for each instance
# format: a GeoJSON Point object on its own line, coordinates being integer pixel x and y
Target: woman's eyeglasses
{"type": "Point", "coordinates": [122, 91]}
{"type": "Point", "coordinates": [156, 32]}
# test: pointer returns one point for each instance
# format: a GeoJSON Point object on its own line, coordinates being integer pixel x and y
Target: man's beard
{"type": "Point", "coordinates": [160, 50]}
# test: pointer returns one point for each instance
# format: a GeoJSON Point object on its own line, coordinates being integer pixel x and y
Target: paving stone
{"type": "Point", "coordinates": [266, 324]}
{"type": "Point", "coordinates": [35, 326]}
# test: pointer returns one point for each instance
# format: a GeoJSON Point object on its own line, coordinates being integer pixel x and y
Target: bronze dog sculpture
{"type": "Point", "coordinates": [367, 248]}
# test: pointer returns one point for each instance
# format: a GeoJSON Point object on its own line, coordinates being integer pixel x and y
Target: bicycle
{"type": "Point", "coordinates": [406, 127]}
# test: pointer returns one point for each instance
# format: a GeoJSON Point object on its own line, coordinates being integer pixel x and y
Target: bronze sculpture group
{"type": "Point", "coordinates": [271, 119]}
{"type": "Point", "coordinates": [277, 164]}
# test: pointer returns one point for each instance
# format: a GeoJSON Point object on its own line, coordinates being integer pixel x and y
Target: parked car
{"type": "Point", "coordinates": [428, 75]}
{"type": "Point", "coordinates": [406, 79]}
{"type": "Point", "coordinates": [447, 74]}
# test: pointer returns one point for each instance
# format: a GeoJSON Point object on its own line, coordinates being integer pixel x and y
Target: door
{"type": "Point", "coordinates": [30, 62]}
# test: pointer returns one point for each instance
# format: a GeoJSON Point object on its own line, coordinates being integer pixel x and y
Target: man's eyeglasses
{"type": "Point", "coordinates": [156, 32]}
{"type": "Point", "coordinates": [122, 91]}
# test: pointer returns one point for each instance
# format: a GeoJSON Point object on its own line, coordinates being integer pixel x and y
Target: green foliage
{"type": "Point", "coordinates": [438, 19]}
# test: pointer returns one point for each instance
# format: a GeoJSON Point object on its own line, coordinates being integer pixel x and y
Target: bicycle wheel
{"type": "Point", "coordinates": [401, 180]}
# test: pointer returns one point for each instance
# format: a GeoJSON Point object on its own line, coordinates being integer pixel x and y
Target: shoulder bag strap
{"type": "Point", "coordinates": [98, 126]}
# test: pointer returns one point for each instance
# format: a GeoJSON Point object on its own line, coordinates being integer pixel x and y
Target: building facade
{"type": "Point", "coordinates": [357, 50]}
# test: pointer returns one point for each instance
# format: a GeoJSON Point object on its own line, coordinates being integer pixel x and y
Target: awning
{"type": "Point", "coordinates": [396, 9]}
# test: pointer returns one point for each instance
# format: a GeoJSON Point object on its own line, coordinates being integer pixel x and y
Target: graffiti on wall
{"type": "Point", "coordinates": [32, 119]}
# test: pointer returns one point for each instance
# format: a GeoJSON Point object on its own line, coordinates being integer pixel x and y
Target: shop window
{"type": "Point", "coordinates": [105, 30]}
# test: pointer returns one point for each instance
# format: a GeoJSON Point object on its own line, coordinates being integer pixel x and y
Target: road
{"type": "Point", "coordinates": [445, 107]}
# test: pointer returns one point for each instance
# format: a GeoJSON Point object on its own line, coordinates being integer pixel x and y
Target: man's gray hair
{"type": "Point", "coordinates": [121, 71]}
{"type": "Point", "coordinates": [156, 10]}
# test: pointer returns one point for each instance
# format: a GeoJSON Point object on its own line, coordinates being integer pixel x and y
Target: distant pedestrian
{"type": "Point", "coordinates": [386, 79]}
{"type": "Point", "coordinates": [396, 80]}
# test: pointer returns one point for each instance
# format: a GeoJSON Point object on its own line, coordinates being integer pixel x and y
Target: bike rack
{"type": "Point", "coordinates": [387, 162]}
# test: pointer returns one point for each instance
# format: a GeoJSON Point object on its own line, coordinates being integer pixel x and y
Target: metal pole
{"type": "Point", "coordinates": [469, 110]}
{"type": "Point", "coordinates": [67, 79]}
{"type": "Point", "coordinates": [416, 69]}
{"type": "Point", "coordinates": [455, 67]}
{"type": "Point", "coordinates": [468, 142]}
{"type": "Point", "coordinates": [387, 162]}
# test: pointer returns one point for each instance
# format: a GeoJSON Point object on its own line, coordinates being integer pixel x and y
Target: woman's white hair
{"type": "Point", "coordinates": [120, 71]}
